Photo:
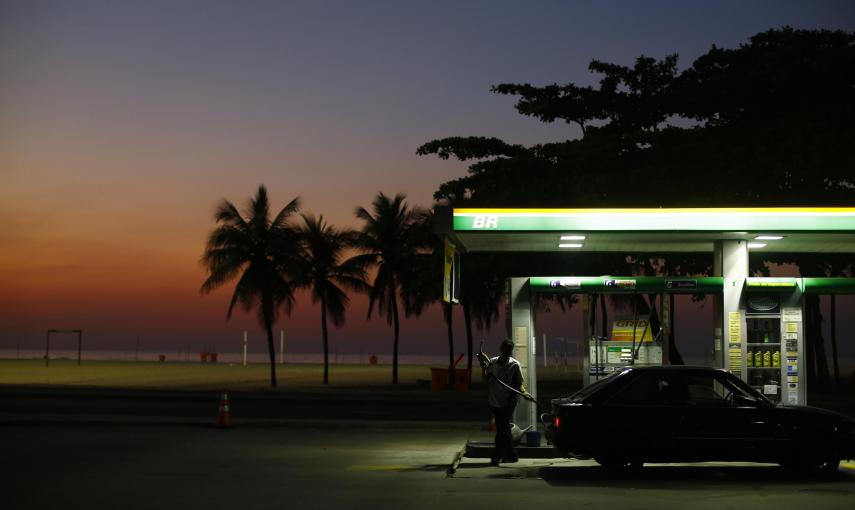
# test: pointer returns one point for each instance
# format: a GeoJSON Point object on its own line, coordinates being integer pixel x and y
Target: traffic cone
{"type": "Point", "coordinates": [224, 418]}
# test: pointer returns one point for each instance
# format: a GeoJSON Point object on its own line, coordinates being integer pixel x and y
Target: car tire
{"type": "Point", "coordinates": [830, 466]}
{"type": "Point", "coordinates": [621, 467]}
{"type": "Point", "coordinates": [827, 465]}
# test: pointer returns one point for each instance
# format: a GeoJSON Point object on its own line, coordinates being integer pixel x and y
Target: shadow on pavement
{"type": "Point", "coordinates": [692, 477]}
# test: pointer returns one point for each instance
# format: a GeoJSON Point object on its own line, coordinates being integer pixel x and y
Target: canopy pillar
{"type": "Point", "coordinates": [730, 261]}
{"type": "Point", "coordinates": [519, 318]}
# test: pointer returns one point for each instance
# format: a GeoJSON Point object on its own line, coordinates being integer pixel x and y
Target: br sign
{"type": "Point", "coordinates": [485, 222]}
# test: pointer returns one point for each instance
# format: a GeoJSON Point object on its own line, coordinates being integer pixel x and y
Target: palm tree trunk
{"type": "Point", "coordinates": [326, 343]}
{"type": "Point", "coordinates": [269, 327]}
{"type": "Point", "coordinates": [397, 332]}
{"type": "Point", "coordinates": [816, 343]}
{"type": "Point", "coordinates": [267, 309]}
{"type": "Point", "coordinates": [467, 318]}
{"type": "Point", "coordinates": [604, 316]}
{"type": "Point", "coordinates": [447, 313]}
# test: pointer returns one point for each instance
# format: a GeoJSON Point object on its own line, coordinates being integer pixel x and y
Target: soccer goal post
{"type": "Point", "coordinates": [79, 342]}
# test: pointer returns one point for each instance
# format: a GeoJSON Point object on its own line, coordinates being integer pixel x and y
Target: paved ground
{"type": "Point", "coordinates": [88, 448]}
{"type": "Point", "coordinates": [341, 465]}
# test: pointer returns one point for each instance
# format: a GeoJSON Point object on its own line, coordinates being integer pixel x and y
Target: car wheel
{"type": "Point", "coordinates": [827, 465]}
{"type": "Point", "coordinates": [620, 466]}
{"type": "Point", "coordinates": [830, 465]}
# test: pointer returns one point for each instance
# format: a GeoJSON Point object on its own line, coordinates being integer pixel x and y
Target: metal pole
{"type": "Point", "coordinates": [47, 348]}
{"type": "Point", "coordinates": [281, 346]}
{"type": "Point", "coordinates": [834, 337]}
{"type": "Point", "coordinates": [79, 345]}
{"type": "Point", "coordinates": [244, 348]}
{"type": "Point", "coordinates": [545, 362]}
{"type": "Point", "coordinates": [565, 354]}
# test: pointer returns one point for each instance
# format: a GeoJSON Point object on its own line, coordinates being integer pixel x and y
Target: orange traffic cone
{"type": "Point", "coordinates": [224, 418]}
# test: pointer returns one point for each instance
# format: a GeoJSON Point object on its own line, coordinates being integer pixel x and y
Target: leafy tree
{"type": "Point", "coordinates": [261, 253]}
{"type": "Point", "coordinates": [389, 244]}
{"type": "Point", "coordinates": [327, 275]}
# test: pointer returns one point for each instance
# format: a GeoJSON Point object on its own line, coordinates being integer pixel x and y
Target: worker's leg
{"type": "Point", "coordinates": [504, 449]}
{"type": "Point", "coordinates": [510, 454]}
{"type": "Point", "coordinates": [502, 420]}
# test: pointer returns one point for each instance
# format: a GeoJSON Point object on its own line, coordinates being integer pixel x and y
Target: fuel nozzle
{"type": "Point", "coordinates": [483, 360]}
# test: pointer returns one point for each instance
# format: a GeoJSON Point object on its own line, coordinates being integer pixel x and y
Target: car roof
{"type": "Point", "coordinates": [672, 368]}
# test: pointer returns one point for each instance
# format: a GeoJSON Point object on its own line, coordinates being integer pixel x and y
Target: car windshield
{"type": "Point", "coordinates": [595, 387]}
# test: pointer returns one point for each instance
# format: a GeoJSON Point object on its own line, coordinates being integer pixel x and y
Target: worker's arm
{"type": "Point", "coordinates": [484, 361]}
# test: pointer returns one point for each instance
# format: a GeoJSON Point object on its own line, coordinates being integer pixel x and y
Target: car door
{"type": "Point", "coordinates": [637, 423]}
{"type": "Point", "coordinates": [712, 426]}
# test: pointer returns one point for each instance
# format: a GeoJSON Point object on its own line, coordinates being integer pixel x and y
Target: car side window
{"type": "Point", "coordinates": [703, 390]}
{"type": "Point", "coordinates": [646, 390]}
{"type": "Point", "coordinates": [729, 389]}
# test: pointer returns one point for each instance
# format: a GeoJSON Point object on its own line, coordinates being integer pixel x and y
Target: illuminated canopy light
{"type": "Point", "coordinates": [768, 238]}
{"type": "Point", "coordinates": [570, 245]}
{"type": "Point", "coordinates": [573, 238]}
{"type": "Point", "coordinates": [756, 245]}
{"type": "Point", "coordinates": [775, 219]}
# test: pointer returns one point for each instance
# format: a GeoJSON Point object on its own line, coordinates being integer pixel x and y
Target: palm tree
{"type": "Point", "coordinates": [426, 285]}
{"type": "Point", "coordinates": [260, 253]}
{"type": "Point", "coordinates": [388, 242]}
{"type": "Point", "coordinates": [326, 274]}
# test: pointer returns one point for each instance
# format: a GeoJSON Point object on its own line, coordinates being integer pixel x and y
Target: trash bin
{"type": "Point", "coordinates": [461, 379]}
{"type": "Point", "coordinates": [438, 379]}
{"type": "Point", "coordinates": [214, 357]}
{"type": "Point", "coordinates": [532, 438]}
{"type": "Point", "coordinates": [203, 357]}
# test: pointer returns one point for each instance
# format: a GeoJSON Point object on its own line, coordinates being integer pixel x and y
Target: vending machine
{"type": "Point", "coordinates": [772, 352]}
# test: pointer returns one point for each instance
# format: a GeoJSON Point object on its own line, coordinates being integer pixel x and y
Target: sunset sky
{"type": "Point", "coordinates": [122, 124]}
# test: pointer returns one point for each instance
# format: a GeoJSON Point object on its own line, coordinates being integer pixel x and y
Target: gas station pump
{"type": "Point", "coordinates": [631, 340]}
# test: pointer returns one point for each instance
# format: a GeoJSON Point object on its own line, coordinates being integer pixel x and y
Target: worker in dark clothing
{"type": "Point", "coordinates": [502, 400]}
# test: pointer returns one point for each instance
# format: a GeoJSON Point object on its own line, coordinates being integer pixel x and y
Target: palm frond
{"type": "Point", "coordinates": [227, 214]}
{"type": "Point", "coordinates": [281, 219]}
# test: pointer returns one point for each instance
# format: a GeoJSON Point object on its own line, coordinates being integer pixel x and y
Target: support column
{"type": "Point", "coordinates": [519, 318]}
{"type": "Point", "coordinates": [730, 261]}
{"type": "Point", "coordinates": [665, 326]}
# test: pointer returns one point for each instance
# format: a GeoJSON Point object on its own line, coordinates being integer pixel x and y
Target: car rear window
{"type": "Point", "coordinates": [596, 386]}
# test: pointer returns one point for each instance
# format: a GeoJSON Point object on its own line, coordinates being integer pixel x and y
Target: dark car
{"type": "Point", "coordinates": [692, 414]}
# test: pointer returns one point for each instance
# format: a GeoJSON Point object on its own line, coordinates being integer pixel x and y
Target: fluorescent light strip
{"type": "Point", "coordinates": [573, 238]}
{"type": "Point", "coordinates": [756, 245]}
{"type": "Point", "coordinates": [768, 238]}
{"type": "Point", "coordinates": [572, 245]}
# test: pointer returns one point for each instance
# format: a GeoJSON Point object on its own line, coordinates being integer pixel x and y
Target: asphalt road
{"type": "Point", "coordinates": [332, 403]}
{"type": "Point", "coordinates": [346, 466]}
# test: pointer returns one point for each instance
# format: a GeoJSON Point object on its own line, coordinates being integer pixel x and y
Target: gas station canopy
{"type": "Point", "coordinates": [759, 322]}
{"type": "Point", "coordinates": [780, 229]}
